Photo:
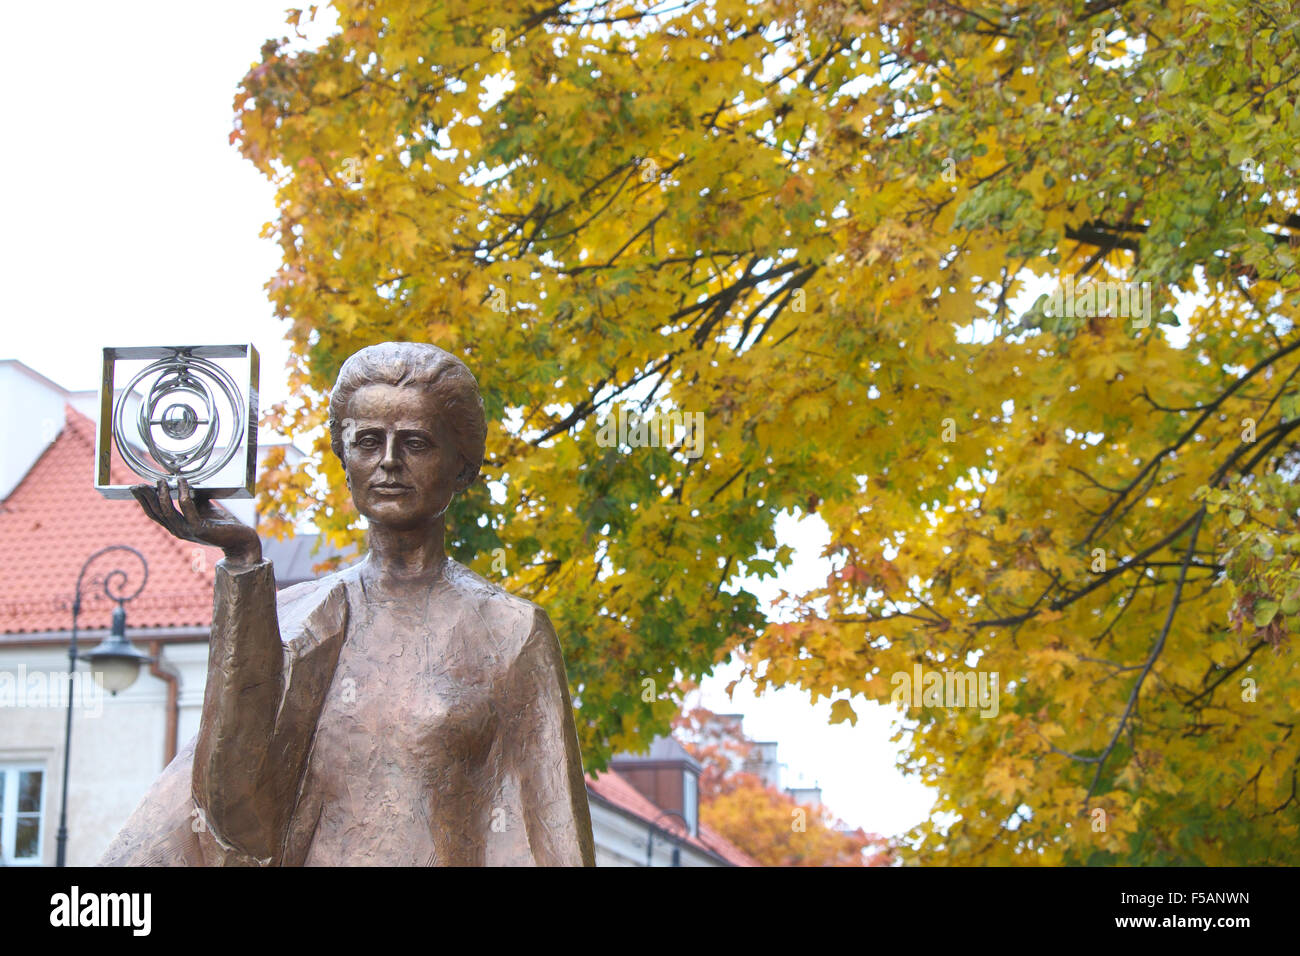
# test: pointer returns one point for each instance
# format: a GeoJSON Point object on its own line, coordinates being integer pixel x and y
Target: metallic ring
{"type": "Point", "coordinates": [181, 404]}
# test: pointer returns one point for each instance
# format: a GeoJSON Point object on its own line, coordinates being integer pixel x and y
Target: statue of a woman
{"type": "Point", "coordinates": [403, 711]}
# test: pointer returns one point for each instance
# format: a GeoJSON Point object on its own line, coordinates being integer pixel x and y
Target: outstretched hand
{"type": "Point", "coordinates": [200, 520]}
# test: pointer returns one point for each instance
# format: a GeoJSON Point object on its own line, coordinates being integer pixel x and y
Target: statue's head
{"type": "Point", "coordinates": [407, 421]}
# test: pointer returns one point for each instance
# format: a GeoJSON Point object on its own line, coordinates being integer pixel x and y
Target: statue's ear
{"type": "Point", "coordinates": [466, 476]}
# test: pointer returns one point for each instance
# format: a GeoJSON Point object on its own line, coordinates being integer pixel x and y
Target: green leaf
{"type": "Point", "coordinates": [1265, 611]}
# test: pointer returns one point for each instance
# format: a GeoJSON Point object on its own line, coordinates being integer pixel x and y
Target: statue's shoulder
{"type": "Point", "coordinates": [508, 616]}
{"type": "Point", "coordinates": [317, 588]}
{"type": "Point", "coordinates": [315, 608]}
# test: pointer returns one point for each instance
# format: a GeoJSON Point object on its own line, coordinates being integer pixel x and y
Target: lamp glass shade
{"type": "Point", "coordinates": [117, 658]}
{"type": "Point", "coordinates": [119, 673]}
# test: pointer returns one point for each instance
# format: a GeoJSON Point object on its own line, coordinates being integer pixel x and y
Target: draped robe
{"type": "Point", "coordinates": [346, 726]}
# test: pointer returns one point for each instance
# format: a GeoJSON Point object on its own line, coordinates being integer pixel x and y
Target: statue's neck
{"type": "Point", "coordinates": [413, 555]}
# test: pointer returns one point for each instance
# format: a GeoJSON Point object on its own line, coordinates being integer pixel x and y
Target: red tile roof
{"type": "Point", "coordinates": [725, 848]}
{"type": "Point", "coordinates": [614, 789]}
{"type": "Point", "coordinates": [55, 519]}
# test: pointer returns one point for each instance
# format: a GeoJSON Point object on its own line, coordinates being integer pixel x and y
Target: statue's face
{"type": "Point", "coordinates": [401, 463]}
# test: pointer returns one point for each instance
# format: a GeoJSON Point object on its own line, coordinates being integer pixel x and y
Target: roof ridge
{"type": "Point", "coordinates": [78, 426]}
{"type": "Point", "coordinates": [76, 415]}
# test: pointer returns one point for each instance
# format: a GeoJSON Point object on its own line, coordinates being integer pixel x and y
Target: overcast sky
{"type": "Point", "coordinates": [129, 220]}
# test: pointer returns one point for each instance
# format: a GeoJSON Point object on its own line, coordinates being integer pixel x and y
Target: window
{"type": "Point", "coordinates": [691, 801]}
{"type": "Point", "coordinates": [22, 809]}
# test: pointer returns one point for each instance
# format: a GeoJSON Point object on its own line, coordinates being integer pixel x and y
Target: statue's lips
{"type": "Point", "coordinates": [390, 489]}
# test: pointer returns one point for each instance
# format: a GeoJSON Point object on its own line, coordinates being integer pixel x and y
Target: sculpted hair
{"type": "Point", "coordinates": [417, 365]}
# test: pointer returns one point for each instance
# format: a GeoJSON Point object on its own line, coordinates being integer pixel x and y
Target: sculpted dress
{"type": "Point", "coordinates": [430, 727]}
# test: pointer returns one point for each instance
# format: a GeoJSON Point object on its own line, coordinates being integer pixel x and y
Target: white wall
{"type": "Point", "coordinates": [191, 663]}
{"type": "Point", "coordinates": [621, 841]}
{"type": "Point", "coordinates": [31, 416]}
{"type": "Point", "coordinates": [117, 742]}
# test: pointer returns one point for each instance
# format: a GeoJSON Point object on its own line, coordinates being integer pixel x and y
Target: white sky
{"type": "Point", "coordinates": [854, 765]}
{"type": "Point", "coordinates": [127, 217]}
{"type": "Point", "coordinates": [129, 220]}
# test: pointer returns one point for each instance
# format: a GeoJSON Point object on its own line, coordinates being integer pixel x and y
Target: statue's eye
{"type": "Point", "coordinates": [418, 444]}
{"type": "Point", "coordinates": [368, 441]}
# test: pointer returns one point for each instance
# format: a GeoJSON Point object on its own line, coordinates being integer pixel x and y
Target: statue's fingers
{"type": "Point", "coordinates": [185, 498]}
{"type": "Point", "coordinates": [170, 518]}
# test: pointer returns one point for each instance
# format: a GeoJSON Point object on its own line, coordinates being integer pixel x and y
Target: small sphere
{"type": "Point", "coordinates": [179, 421]}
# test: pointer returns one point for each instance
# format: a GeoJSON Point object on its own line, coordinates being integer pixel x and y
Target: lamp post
{"type": "Point", "coordinates": [650, 841]}
{"type": "Point", "coordinates": [117, 658]}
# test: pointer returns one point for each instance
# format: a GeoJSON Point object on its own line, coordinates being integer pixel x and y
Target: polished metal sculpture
{"type": "Point", "coordinates": [402, 711]}
{"type": "Point", "coordinates": [181, 416]}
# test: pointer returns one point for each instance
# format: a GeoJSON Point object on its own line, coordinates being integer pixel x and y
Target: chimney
{"type": "Point", "coordinates": [667, 776]}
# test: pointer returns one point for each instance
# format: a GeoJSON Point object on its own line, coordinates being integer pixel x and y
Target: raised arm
{"type": "Point", "coordinates": [548, 766]}
{"type": "Point", "coordinates": [236, 782]}
{"type": "Point", "coordinates": [238, 785]}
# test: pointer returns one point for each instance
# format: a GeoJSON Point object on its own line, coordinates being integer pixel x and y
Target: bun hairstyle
{"type": "Point", "coordinates": [417, 365]}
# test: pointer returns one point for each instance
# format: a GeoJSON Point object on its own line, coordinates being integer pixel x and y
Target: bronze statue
{"type": "Point", "coordinates": [403, 711]}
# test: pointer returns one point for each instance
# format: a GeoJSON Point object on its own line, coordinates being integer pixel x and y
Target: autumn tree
{"type": "Point", "coordinates": [719, 744]}
{"type": "Point", "coordinates": [764, 821]}
{"type": "Point", "coordinates": [776, 830]}
{"type": "Point", "coordinates": [822, 226]}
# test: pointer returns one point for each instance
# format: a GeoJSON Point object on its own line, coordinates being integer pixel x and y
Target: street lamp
{"type": "Point", "coordinates": [116, 658]}
{"type": "Point", "coordinates": [650, 842]}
